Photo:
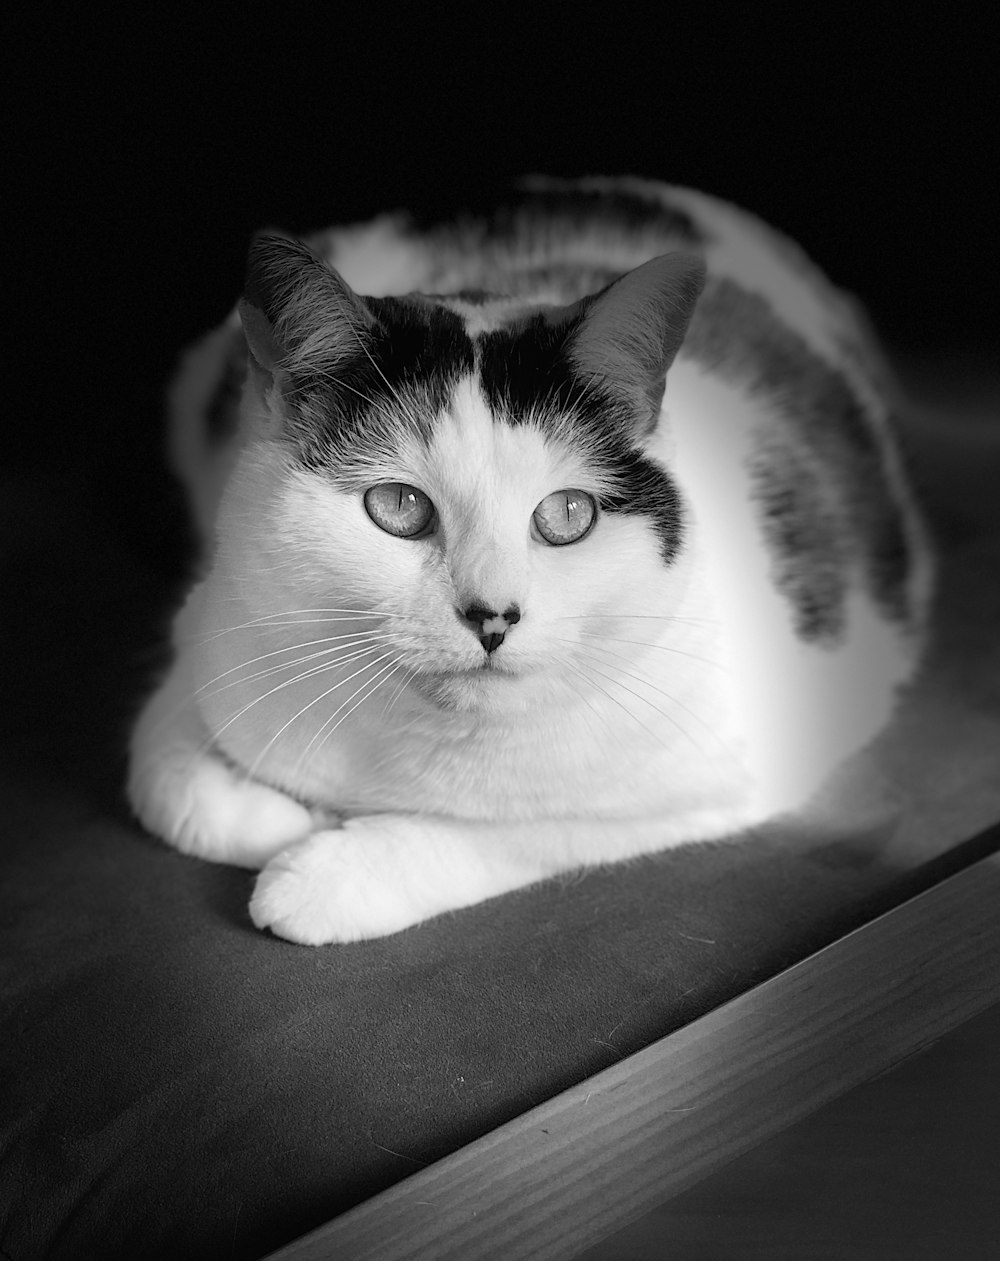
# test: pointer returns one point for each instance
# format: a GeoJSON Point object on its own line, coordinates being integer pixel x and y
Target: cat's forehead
{"type": "Point", "coordinates": [468, 440]}
{"type": "Point", "coordinates": [480, 357]}
{"type": "Point", "coordinates": [431, 396]}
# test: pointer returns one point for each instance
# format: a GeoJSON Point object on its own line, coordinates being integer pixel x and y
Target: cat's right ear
{"type": "Point", "coordinates": [299, 316]}
{"type": "Point", "coordinates": [630, 332]}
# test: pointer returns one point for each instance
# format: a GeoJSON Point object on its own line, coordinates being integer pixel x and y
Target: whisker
{"type": "Point", "coordinates": [641, 643]}
{"type": "Point", "coordinates": [579, 668]}
{"type": "Point", "coordinates": [400, 689]}
{"type": "Point", "coordinates": [673, 699]}
{"type": "Point", "coordinates": [602, 727]}
{"type": "Point", "coordinates": [352, 653]}
{"type": "Point", "coordinates": [290, 618]}
{"type": "Point", "coordinates": [353, 641]}
{"type": "Point", "coordinates": [663, 714]}
{"type": "Point", "coordinates": [388, 670]}
{"type": "Point", "coordinates": [308, 705]}
{"type": "Point", "coordinates": [654, 617]}
{"type": "Point", "coordinates": [166, 719]}
{"type": "Point", "coordinates": [287, 683]}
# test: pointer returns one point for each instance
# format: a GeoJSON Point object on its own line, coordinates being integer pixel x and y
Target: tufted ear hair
{"type": "Point", "coordinates": [629, 333]}
{"type": "Point", "coordinates": [299, 316]}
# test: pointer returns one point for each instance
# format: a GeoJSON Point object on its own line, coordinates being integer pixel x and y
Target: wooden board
{"type": "Point", "coordinates": [559, 1178]}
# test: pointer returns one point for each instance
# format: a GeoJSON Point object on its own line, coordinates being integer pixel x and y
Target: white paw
{"type": "Point", "coordinates": [374, 876]}
{"type": "Point", "coordinates": [203, 807]}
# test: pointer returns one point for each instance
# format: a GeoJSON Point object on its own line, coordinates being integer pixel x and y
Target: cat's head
{"type": "Point", "coordinates": [476, 476]}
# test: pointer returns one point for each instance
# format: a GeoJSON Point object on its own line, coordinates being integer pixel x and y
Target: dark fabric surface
{"type": "Point", "coordinates": [174, 1083]}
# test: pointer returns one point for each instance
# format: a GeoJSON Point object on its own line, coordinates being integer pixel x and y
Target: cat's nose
{"type": "Point", "coordinates": [489, 625]}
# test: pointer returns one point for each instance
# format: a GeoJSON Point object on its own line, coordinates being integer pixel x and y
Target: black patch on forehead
{"type": "Point", "coordinates": [819, 478]}
{"type": "Point", "coordinates": [524, 369]}
{"type": "Point", "coordinates": [407, 367]}
{"type": "Point", "coordinates": [526, 375]}
{"type": "Point", "coordinates": [417, 341]}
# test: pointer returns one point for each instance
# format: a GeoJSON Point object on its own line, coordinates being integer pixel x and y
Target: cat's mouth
{"type": "Point", "coordinates": [490, 668]}
{"type": "Point", "coordinates": [486, 673]}
{"type": "Point", "coordinates": [463, 687]}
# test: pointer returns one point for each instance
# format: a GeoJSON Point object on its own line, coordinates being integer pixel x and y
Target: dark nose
{"type": "Point", "coordinates": [489, 625]}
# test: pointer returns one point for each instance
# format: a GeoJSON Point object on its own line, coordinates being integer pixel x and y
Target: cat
{"type": "Point", "coordinates": [530, 543]}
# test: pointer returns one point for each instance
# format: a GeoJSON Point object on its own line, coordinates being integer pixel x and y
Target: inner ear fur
{"type": "Point", "coordinates": [299, 315]}
{"type": "Point", "coordinates": [630, 332]}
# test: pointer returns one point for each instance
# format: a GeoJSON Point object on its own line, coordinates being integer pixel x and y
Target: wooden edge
{"type": "Point", "coordinates": [557, 1179]}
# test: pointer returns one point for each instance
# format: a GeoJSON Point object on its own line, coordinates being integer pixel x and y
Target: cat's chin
{"type": "Point", "coordinates": [478, 690]}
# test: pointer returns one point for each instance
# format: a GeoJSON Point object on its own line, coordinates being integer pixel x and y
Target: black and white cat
{"type": "Point", "coordinates": [580, 535]}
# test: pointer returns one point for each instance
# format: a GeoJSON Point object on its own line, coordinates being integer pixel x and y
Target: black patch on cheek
{"type": "Point", "coordinates": [646, 491]}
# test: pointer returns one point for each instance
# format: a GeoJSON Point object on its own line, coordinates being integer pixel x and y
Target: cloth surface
{"type": "Point", "coordinates": [174, 1083]}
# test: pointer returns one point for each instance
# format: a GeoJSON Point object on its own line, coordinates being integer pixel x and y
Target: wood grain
{"type": "Point", "coordinates": [562, 1176]}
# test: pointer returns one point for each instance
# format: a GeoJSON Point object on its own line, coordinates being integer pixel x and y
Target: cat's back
{"type": "Point", "coordinates": [558, 240]}
{"type": "Point", "coordinates": [768, 324]}
{"type": "Point", "coordinates": [779, 374]}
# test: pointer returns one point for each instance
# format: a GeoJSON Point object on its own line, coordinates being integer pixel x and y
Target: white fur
{"type": "Point", "coordinates": [323, 675]}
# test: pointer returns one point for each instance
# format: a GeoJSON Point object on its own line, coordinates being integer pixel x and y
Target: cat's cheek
{"type": "Point", "coordinates": [350, 883]}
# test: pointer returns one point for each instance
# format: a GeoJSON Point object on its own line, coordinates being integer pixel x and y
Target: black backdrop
{"type": "Point", "coordinates": [146, 147]}
{"type": "Point", "coordinates": [141, 152]}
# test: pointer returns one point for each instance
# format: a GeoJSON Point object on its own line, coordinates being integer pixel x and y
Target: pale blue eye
{"type": "Point", "coordinates": [399, 509]}
{"type": "Point", "coordinates": [565, 516]}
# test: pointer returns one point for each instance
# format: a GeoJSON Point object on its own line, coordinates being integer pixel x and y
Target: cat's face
{"type": "Point", "coordinates": [484, 488]}
{"type": "Point", "coordinates": [475, 517]}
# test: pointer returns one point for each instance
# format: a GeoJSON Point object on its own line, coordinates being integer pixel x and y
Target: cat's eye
{"type": "Point", "coordinates": [565, 516]}
{"type": "Point", "coordinates": [399, 509]}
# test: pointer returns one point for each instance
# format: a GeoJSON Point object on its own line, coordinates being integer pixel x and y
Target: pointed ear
{"type": "Point", "coordinates": [299, 316]}
{"type": "Point", "coordinates": [630, 332]}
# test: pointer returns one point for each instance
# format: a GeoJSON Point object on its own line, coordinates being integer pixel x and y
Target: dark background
{"type": "Point", "coordinates": [141, 151]}
{"type": "Point", "coordinates": [146, 148]}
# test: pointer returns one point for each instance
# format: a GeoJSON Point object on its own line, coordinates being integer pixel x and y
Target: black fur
{"type": "Point", "coordinates": [525, 373]}
{"type": "Point", "coordinates": [410, 362]}
{"type": "Point", "coordinates": [738, 335]}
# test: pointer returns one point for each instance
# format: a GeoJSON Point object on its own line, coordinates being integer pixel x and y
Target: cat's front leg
{"type": "Point", "coordinates": [380, 873]}
{"type": "Point", "coordinates": [183, 791]}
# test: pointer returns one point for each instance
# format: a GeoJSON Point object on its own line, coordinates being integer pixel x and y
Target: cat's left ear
{"type": "Point", "coordinates": [629, 333]}
{"type": "Point", "coordinates": [298, 314]}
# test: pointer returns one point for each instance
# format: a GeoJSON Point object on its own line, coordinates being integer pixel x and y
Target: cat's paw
{"type": "Point", "coordinates": [374, 876]}
{"type": "Point", "coordinates": [203, 807]}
